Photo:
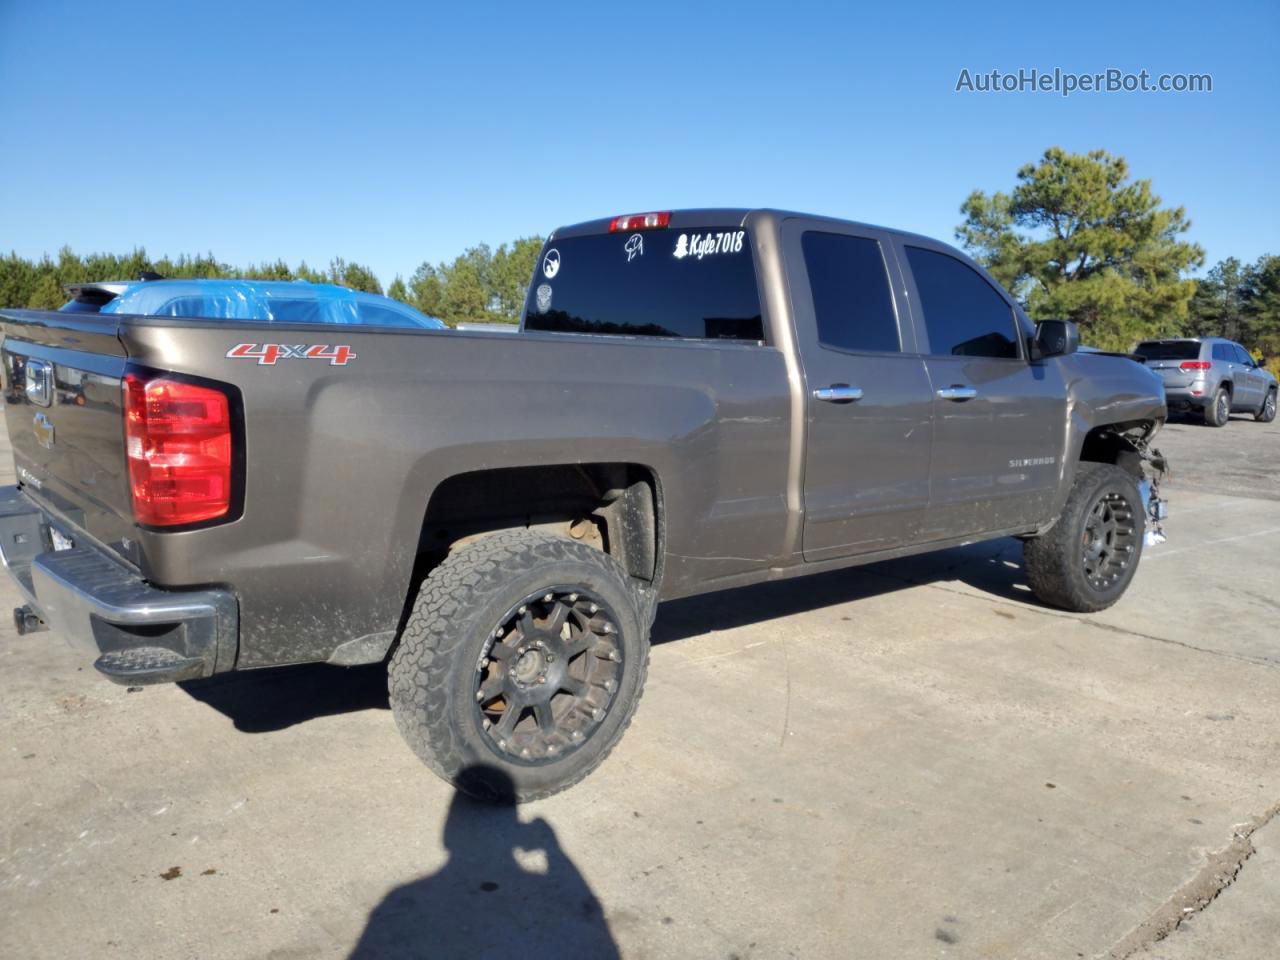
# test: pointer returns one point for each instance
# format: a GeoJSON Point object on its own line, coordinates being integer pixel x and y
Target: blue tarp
{"type": "Point", "coordinates": [266, 302]}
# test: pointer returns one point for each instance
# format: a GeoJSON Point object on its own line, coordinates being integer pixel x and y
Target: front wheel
{"type": "Point", "coordinates": [1086, 561]}
{"type": "Point", "coordinates": [520, 666]}
{"type": "Point", "coordinates": [1268, 411]}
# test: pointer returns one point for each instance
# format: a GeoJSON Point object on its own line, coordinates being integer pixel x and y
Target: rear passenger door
{"type": "Point", "coordinates": [1226, 370]}
{"type": "Point", "coordinates": [868, 398]}
{"type": "Point", "coordinates": [999, 420]}
{"type": "Point", "coordinates": [1247, 371]}
{"type": "Point", "coordinates": [1226, 366]}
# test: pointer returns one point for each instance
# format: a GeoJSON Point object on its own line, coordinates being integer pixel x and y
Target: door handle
{"type": "Point", "coordinates": [957, 392]}
{"type": "Point", "coordinates": [838, 393]}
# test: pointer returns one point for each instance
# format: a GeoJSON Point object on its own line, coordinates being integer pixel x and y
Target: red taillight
{"type": "Point", "coordinates": [178, 441]}
{"type": "Point", "coordinates": [1193, 365]}
{"type": "Point", "coordinates": [639, 221]}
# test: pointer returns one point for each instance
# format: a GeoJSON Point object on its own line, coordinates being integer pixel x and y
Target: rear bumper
{"type": "Point", "coordinates": [1181, 398]}
{"type": "Point", "coordinates": [139, 633]}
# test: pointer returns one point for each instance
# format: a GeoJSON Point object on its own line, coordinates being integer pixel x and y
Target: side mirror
{"type": "Point", "coordinates": [1055, 338]}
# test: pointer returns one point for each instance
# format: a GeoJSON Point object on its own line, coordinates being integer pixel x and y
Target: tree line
{"type": "Point", "coordinates": [481, 284]}
{"type": "Point", "coordinates": [38, 284]}
{"type": "Point", "coordinates": [1076, 238]}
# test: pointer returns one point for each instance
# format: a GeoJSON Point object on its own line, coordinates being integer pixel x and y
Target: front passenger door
{"type": "Point", "coordinates": [999, 419]}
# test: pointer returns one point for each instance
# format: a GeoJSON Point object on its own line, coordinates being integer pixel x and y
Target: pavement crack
{"type": "Point", "coordinates": [1220, 870]}
{"type": "Point", "coordinates": [1112, 628]}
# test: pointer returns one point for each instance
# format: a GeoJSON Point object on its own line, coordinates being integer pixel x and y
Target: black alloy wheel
{"type": "Point", "coordinates": [1109, 538]}
{"type": "Point", "coordinates": [547, 678]}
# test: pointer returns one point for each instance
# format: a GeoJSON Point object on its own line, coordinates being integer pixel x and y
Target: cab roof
{"type": "Point", "coordinates": [725, 217]}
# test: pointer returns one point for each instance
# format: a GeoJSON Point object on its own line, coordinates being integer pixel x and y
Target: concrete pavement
{"type": "Point", "coordinates": [907, 760]}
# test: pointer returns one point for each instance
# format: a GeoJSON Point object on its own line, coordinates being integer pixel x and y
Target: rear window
{"type": "Point", "coordinates": [1169, 350]}
{"type": "Point", "coordinates": [697, 283]}
{"type": "Point", "coordinates": [79, 305]}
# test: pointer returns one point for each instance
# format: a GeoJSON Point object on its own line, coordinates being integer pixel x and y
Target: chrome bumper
{"type": "Point", "coordinates": [105, 608]}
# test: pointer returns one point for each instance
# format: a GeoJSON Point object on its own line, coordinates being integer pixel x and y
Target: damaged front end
{"type": "Point", "coordinates": [1152, 467]}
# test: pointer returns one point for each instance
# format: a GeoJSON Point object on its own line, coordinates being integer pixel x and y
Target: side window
{"type": "Point", "coordinates": [1223, 353]}
{"type": "Point", "coordinates": [296, 311]}
{"type": "Point", "coordinates": [379, 316]}
{"type": "Point", "coordinates": [1242, 354]}
{"type": "Point", "coordinates": [963, 314]}
{"type": "Point", "coordinates": [183, 307]}
{"type": "Point", "coordinates": [851, 297]}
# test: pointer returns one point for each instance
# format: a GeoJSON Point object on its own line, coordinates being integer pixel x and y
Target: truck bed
{"type": "Point", "coordinates": [341, 459]}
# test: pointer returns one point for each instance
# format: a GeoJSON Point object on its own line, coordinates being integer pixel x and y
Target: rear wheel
{"type": "Point", "coordinates": [1268, 411]}
{"type": "Point", "coordinates": [1218, 412]}
{"type": "Point", "coordinates": [520, 666]}
{"type": "Point", "coordinates": [1088, 558]}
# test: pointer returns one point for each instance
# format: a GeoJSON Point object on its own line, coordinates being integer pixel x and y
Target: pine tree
{"type": "Point", "coordinates": [1076, 239]}
{"type": "Point", "coordinates": [398, 291]}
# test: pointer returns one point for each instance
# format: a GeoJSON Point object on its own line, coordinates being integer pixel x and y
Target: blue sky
{"type": "Point", "coordinates": [390, 133]}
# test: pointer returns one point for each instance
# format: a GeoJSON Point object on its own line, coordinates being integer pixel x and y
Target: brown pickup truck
{"type": "Point", "coordinates": [695, 400]}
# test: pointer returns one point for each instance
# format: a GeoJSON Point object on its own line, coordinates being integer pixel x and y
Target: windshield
{"type": "Point", "coordinates": [697, 283]}
{"type": "Point", "coordinates": [1169, 350]}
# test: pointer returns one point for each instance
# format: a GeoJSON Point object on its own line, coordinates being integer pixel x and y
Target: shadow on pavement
{"type": "Point", "coordinates": [993, 567]}
{"type": "Point", "coordinates": [484, 902]}
{"type": "Point", "coordinates": [261, 701]}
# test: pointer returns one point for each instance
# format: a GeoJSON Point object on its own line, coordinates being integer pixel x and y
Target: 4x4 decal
{"type": "Point", "coordinates": [268, 353]}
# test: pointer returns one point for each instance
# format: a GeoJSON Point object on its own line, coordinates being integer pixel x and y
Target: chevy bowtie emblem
{"type": "Point", "coordinates": [44, 429]}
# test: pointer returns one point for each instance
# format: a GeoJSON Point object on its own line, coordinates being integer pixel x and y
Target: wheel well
{"type": "Point", "coordinates": [1114, 443]}
{"type": "Point", "coordinates": [611, 506]}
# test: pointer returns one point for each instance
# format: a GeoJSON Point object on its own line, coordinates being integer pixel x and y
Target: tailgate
{"type": "Point", "coordinates": [63, 411]}
{"type": "Point", "coordinates": [1172, 373]}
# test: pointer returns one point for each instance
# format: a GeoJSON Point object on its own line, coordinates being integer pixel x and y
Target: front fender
{"type": "Point", "coordinates": [1104, 391]}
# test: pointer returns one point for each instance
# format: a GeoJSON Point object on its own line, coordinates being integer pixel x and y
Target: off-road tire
{"type": "Point", "coordinates": [459, 605]}
{"type": "Point", "coordinates": [1216, 413]}
{"type": "Point", "coordinates": [1267, 412]}
{"type": "Point", "coordinates": [1055, 561]}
